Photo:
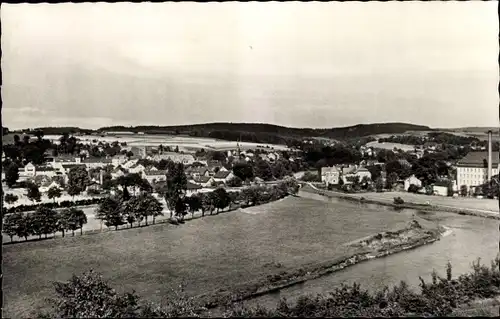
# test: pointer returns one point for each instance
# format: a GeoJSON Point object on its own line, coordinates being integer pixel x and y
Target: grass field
{"type": "Point", "coordinates": [391, 146]}
{"type": "Point", "coordinates": [185, 143]}
{"type": "Point", "coordinates": [204, 254]}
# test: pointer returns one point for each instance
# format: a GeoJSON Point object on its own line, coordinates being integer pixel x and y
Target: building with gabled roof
{"type": "Point", "coordinates": [223, 176]}
{"type": "Point", "coordinates": [330, 175]}
{"type": "Point", "coordinates": [472, 170]}
{"type": "Point", "coordinates": [153, 176]}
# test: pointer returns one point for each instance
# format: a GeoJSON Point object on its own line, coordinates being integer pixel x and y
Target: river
{"type": "Point", "coordinates": [469, 238]}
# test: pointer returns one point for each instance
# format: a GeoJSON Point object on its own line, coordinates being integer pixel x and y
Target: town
{"type": "Point", "coordinates": [250, 159]}
{"type": "Point", "coordinates": [39, 171]}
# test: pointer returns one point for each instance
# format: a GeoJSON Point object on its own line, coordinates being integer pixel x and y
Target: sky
{"type": "Point", "coordinates": [297, 64]}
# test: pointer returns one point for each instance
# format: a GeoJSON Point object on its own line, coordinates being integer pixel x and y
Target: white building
{"type": "Point", "coordinates": [412, 180]}
{"type": "Point", "coordinates": [185, 159]}
{"type": "Point", "coordinates": [472, 170]}
{"type": "Point", "coordinates": [330, 175]}
{"type": "Point", "coordinates": [154, 175]}
{"type": "Point", "coordinates": [96, 162]}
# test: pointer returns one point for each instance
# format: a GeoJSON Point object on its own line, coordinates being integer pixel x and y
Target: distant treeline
{"type": "Point", "coordinates": [276, 130]}
{"type": "Point", "coordinates": [435, 137]}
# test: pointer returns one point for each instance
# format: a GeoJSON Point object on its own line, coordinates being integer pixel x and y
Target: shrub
{"type": "Point", "coordinates": [413, 188]}
{"type": "Point", "coordinates": [398, 201]}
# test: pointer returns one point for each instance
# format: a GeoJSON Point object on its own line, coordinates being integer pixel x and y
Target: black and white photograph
{"type": "Point", "coordinates": [250, 159]}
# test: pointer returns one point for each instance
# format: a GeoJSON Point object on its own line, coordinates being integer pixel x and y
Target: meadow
{"type": "Point", "coordinates": [205, 254]}
{"type": "Point", "coordinates": [185, 143]}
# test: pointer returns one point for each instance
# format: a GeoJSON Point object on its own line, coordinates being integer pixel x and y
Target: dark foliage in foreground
{"type": "Point", "coordinates": [89, 295]}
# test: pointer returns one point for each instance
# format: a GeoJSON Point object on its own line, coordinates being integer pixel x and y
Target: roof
{"type": "Point", "coordinates": [476, 159]}
{"type": "Point", "coordinates": [222, 174]}
{"type": "Point", "coordinates": [155, 173]}
{"type": "Point", "coordinates": [348, 170]}
{"type": "Point", "coordinates": [191, 186]}
{"type": "Point", "coordinates": [202, 179]}
{"type": "Point", "coordinates": [362, 169]}
{"type": "Point", "coordinates": [199, 170]}
{"type": "Point", "coordinates": [329, 169]}
{"type": "Point", "coordinates": [442, 184]}
{"type": "Point", "coordinates": [64, 158]}
{"type": "Point", "coordinates": [44, 168]}
{"type": "Point", "coordinates": [96, 160]}
{"type": "Point", "coordinates": [70, 166]}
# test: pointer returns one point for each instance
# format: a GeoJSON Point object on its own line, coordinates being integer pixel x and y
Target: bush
{"type": "Point", "coordinates": [413, 188]}
{"type": "Point", "coordinates": [398, 201]}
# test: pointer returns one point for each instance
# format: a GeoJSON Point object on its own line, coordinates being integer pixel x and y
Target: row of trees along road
{"type": "Point", "coordinates": [44, 221]}
{"type": "Point", "coordinates": [124, 209]}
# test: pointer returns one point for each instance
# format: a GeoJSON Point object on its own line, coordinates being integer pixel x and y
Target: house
{"type": "Point", "coordinates": [330, 175]}
{"type": "Point", "coordinates": [138, 169]}
{"type": "Point", "coordinates": [95, 162]}
{"type": "Point", "coordinates": [412, 180]}
{"type": "Point", "coordinates": [94, 186]}
{"type": "Point", "coordinates": [222, 176]}
{"type": "Point", "coordinates": [130, 163]}
{"type": "Point", "coordinates": [472, 170]}
{"type": "Point", "coordinates": [119, 160]}
{"type": "Point", "coordinates": [117, 172]}
{"type": "Point", "coordinates": [347, 170]}
{"type": "Point", "coordinates": [199, 172]}
{"type": "Point", "coordinates": [204, 181]}
{"type": "Point", "coordinates": [29, 170]}
{"type": "Point", "coordinates": [185, 159]}
{"type": "Point", "coordinates": [45, 186]}
{"type": "Point", "coordinates": [45, 170]}
{"type": "Point", "coordinates": [440, 188]}
{"type": "Point", "coordinates": [153, 176]}
{"type": "Point", "coordinates": [362, 172]}
{"type": "Point", "coordinates": [192, 188]}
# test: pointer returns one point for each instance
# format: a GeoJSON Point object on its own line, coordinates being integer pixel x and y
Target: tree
{"type": "Point", "coordinates": [194, 202]}
{"type": "Point", "coordinates": [26, 226]}
{"type": "Point", "coordinates": [392, 178]}
{"type": "Point", "coordinates": [222, 199]}
{"type": "Point", "coordinates": [176, 186]}
{"type": "Point", "coordinates": [12, 223]}
{"type": "Point", "coordinates": [243, 170]}
{"type": "Point", "coordinates": [11, 175]}
{"type": "Point", "coordinates": [208, 203]}
{"type": "Point", "coordinates": [110, 211]}
{"type": "Point", "coordinates": [180, 207]}
{"type": "Point", "coordinates": [263, 170]}
{"type": "Point", "coordinates": [47, 219]}
{"type": "Point", "coordinates": [78, 179]}
{"type": "Point", "coordinates": [379, 184]}
{"type": "Point", "coordinates": [89, 296]}
{"type": "Point", "coordinates": [10, 198]}
{"type": "Point", "coordinates": [54, 192]}
{"type": "Point", "coordinates": [250, 195]}
{"type": "Point", "coordinates": [464, 190]}
{"type": "Point", "coordinates": [413, 188]}
{"type": "Point", "coordinates": [204, 205]}
{"type": "Point", "coordinates": [63, 222]}
{"type": "Point", "coordinates": [76, 218]}
{"type": "Point", "coordinates": [33, 192]}
{"type": "Point", "coordinates": [131, 212]}
{"type": "Point", "coordinates": [235, 182]}
{"type": "Point", "coordinates": [150, 206]}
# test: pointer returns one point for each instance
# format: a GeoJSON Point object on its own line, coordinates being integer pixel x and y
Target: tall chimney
{"type": "Point", "coordinates": [490, 151]}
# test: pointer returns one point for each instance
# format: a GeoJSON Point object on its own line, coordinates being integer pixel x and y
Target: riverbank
{"type": "Point", "coordinates": [426, 208]}
{"type": "Point", "coordinates": [374, 246]}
